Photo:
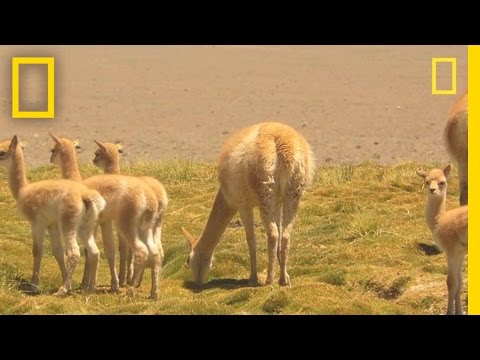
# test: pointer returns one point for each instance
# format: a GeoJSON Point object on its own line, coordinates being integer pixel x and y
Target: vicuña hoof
{"type": "Point", "coordinates": [284, 280]}
{"type": "Point", "coordinates": [62, 292]}
{"type": "Point", "coordinates": [153, 297]}
{"type": "Point", "coordinates": [253, 281]}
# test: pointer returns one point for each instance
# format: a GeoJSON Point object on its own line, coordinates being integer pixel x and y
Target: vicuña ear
{"type": "Point", "coordinates": [422, 174]}
{"type": "Point", "coordinates": [56, 138]}
{"type": "Point", "coordinates": [76, 144]}
{"type": "Point", "coordinates": [100, 145]}
{"type": "Point", "coordinates": [447, 170]}
{"type": "Point", "coordinates": [189, 237]}
{"type": "Point", "coordinates": [119, 147]}
{"type": "Point", "coordinates": [13, 144]}
{"type": "Point", "coordinates": [23, 144]}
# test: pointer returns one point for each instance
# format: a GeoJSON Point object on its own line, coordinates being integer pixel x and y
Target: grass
{"type": "Point", "coordinates": [360, 246]}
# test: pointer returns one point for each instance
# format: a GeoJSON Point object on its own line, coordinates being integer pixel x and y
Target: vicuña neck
{"type": "Point", "coordinates": [70, 166]}
{"type": "Point", "coordinates": [218, 220]}
{"type": "Point", "coordinates": [17, 177]}
{"type": "Point", "coordinates": [113, 167]}
{"type": "Point", "coordinates": [434, 210]}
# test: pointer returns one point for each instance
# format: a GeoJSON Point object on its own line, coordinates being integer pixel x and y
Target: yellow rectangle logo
{"type": "Point", "coordinates": [453, 62]}
{"type": "Point", "coordinates": [50, 113]}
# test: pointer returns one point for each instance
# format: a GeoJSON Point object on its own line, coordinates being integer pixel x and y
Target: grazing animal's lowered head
{"type": "Point", "coordinates": [199, 262]}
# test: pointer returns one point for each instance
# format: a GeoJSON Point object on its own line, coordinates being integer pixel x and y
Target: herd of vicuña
{"type": "Point", "coordinates": [268, 165]}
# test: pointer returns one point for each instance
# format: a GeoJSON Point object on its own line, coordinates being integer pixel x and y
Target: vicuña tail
{"type": "Point", "coordinates": [94, 204]}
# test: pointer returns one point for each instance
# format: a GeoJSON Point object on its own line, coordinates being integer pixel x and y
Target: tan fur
{"type": "Point", "coordinates": [66, 208]}
{"type": "Point", "coordinates": [131, 206]}
{"type": "Point", "coordinates": [456, 140]}
{"type": "Point", "coordinates": [107, 158]}
{"type": "Point", "coordinates": [267, 165]}
{"type": "Point", "coordinates": [449, 230]}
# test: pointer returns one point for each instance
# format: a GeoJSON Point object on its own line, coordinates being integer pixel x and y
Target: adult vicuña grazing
{"type": "Point", "coordinates": [449, 230]}
{"type": "Point", "coordinates": [267, 165]}
{"type": "Point", "coordinates": [107, 157]}
{"type": "Point", "coordinates": [131, 205]}
{"type": "Point", "coordinates": [64, 207]}
{"type": "Point", "coordinates": [456, 139]}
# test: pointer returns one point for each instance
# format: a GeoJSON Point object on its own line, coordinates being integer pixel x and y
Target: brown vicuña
{"type": "Point", "coordinates": [449, 230]}
{"type": "Point", "coordinates": [267, 165]}
{"type": "Point", "coordinates": [66, 208]}
{"type": "Point", "coordinates": [131, 206]}
{"type": "Point", "coordinates": [107, 158]}
{"type": "Point", "coordinates": [456, 139]}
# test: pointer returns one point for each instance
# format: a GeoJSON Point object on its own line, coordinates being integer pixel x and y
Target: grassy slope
{"type": "Point", "coordinates": [356, 250]}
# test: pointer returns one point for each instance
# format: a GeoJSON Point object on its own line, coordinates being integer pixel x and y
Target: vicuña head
{"type": "Point", "coordinates": [7, 149]}
{"type": "Point", "coordinates": [199, 262]}
{"type": "Point", "coordinates": [449, 230]}
{"type": "Point", "coordinates": [62, 146]}
{"type": "Point", "coordinates": [436, 181]}
{"type": "Point", "coordinates": [267, 165]}
{"type": "Point", "coordinates": [6, 152]}
{"type": "Point", "coordinates": [107, 158]}
{"type": "Point", "coordinates": [63, 155]}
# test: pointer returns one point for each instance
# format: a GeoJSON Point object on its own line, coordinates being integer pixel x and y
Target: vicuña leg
{"type": "Point", "coordinates": [109, 246]}
{"type": "Point", "coordinates": [86, 234]}
{"type": "Point", "coordinates": [123, 250]}
{"type": "Point", "coordinates": [155, 258]}
{"type": "Point", "coordinates": [454, 281]}
{"type": "Point", "coordinates": [157, 239]}
{"type": "Point", "coordinates": [270, 215]}
{"type": "Point", "coordinates": [129, 230]}
{"type": "Point", "coordinates": [157, 235]}
{"type": "Point", "coordinates": [290, 207]}
{"type": "Point", "coordinates": [38, 232]}
{"type": "Point", "coordinates": [85, 284]}
{"type": "Point", "coordinates": [57, 249]}
{"type": "Point", "coordinates": [69, 229]}
{"type": "Point", "coordinates": [246, 215]}
{"type": "Point", "coordinates": [86, 272]}
{"type": "Point", "coordinates": [130, 266]}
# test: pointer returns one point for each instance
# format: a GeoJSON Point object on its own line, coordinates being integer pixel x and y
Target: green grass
{"type": "Point", "coordinates": [356, 249]}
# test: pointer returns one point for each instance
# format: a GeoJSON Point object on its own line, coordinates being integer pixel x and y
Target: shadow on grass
{"type": "Point", "coordinates": [226, 284]}
{"type": "Point", "coordinates": [26, 287]}
{"type": "Point", "coordinates": [429, 249]}
{"type": "Point", "coordinates": [103, 289]}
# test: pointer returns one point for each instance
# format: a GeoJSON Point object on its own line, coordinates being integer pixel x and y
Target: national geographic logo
{"type": "Point", "coordinates": [50, 112]}
{"type": "Point", "coordinates": [453, 89]}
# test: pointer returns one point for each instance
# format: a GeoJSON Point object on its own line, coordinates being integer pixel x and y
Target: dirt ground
{"type": "Point", "coordinates": [352, 103]}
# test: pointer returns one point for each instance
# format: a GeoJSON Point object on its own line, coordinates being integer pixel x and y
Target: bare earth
{"type": "Point", "coordinates": [352, 103]}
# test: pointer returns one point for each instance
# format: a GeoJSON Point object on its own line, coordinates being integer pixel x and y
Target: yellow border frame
{"type": "Point", "coordinates": [474, 173]}
{"type": "Point", "coordinates": [50, 113]}
{"type": "Point", "coordinates": [453, 90]}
